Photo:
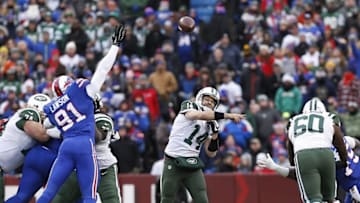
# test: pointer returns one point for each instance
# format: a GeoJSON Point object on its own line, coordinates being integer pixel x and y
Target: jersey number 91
{"type": "Point", "coordinates": [63, 119]}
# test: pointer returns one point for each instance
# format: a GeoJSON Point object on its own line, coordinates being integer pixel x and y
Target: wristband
{"type": "Point", "coordinates": [219, 115]}
{"type": "Point", "coordinates": [214, 145]}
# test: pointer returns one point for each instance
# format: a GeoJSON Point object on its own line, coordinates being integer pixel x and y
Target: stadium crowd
{"type": "Point", "coordinates": [266, 58]}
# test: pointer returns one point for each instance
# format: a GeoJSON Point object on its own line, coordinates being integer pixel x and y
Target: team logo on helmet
{"type": "Point", "coordinates": [207, 91]}
{"type": "Point", "coordinates": [314, 105]}
{"type": "Point", "coordinates": [60, 85]}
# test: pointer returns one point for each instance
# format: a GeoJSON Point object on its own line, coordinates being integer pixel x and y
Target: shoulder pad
{"type": "Point", "coordinates": [82, 82]}
{"type": "Point", "coordinates": [30, 114]}
{"type": "Point", "coordinates": [188, 105]}
{"type": "Point", "coordinates": [335, 118]}
{"type": "Point", "coordinates": [104, 122]}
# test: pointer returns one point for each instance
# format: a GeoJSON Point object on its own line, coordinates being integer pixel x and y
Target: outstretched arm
{"type": "Point", "coordinates": [106, 63]}
{"type": "Point", "coordinates": [288, 172]}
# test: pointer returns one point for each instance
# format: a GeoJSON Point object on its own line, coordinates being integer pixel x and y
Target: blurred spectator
{"type": "Point", "coordinates": [278, 140]}
{"type": "Point", "coordinates": [311, 57]}
{"type": "Point", "coordinates": [11, 105]}
{"type": "Point", "coordinates": [63, 29]}
{"type": "Point", "coordinates": [187, 82]}
{"type": "Point", "coordinates": [143, 88]}
{"type": "Point", "coordinates": [187, 46]}
{"type": "Point", "coordinates": [20, 36]}
{"type": "Point", "coordinates": [246, 163]}
{"type": "Point", "coordinates": [154, 40]}
{"type": "Point", "coordinates": [102, 43]}
{"type": "Point", "coordinates": [227, 163]}
{"type": "Point", "coordinates": [266, 61]}
{"type": "Point", "coordinates": [288, 98]}
{"type": "Point", "coordinates": [140, 31]}
{"type": "Point", "coordinates": [351, 120]}
{"type": "Point", "coordinates": [252, 81]}
{"type": "Point", "coordinates": [47, 25]}
{"type": "Point", "coordinates": [172, 59]}
{"type": "Point", "coordinates": [348, 90]}
{"type": "Point", "coordinates": [78, 35]}
{"type": "Point", "coordinates": [322, 88]}
{"type": "Point", "coordinates": [264, 119]}
{"type": "Point", "coordinates": [45, 46]}
{"type": "Point", "coordinates": [255, 147]}
{"type": "Point", "coordinates": [142, 113]}
{"type": "Point", "coordinates": [204, 79]}
{"type": "Point", "coordinates": [10, 83]}
{"type": "Point", "coordinates": [234, 91]}
{"type": "Point", "coordinates": [231, 52]}
{"type": "Point", "coordinates": [126, 153]}
{"type": "Point", "coordinates": [134, 132]}
{"type": "Point", "coordinates": [163, 81]}
{"type": "Point", "coordinates": [131, 44]}
{"type": "Point", "coordinates": [241, 133]}
{"type": "Point", "coordinates": [70, 59]}
{"type": "Point", "coordinates": [32, 32]}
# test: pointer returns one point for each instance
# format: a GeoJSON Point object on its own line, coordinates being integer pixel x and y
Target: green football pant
{"type": "Point", "coordinates": [108, 188]}
{"type": "Point", "coordinates": [173, 177]}
{"type": "Point", "coordinates": [2, 187]}
{"type": "Point", "coordinates": [315, 171]}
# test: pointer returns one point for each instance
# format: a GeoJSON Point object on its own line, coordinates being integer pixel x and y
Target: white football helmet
{"type": "Point", "coordinates": [60, 84]}
{"type": "Point", "coordinates": [38, 101]}
{"type": "Point", "coordinates": [207, 91]}
{"type": "Point", "coordinates": [314, 105]}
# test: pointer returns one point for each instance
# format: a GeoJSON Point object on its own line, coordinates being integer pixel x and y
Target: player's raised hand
{"type": "Point", "coordinates": [118, 35]}
{"type": "Point", "coordinates": [235, 117]}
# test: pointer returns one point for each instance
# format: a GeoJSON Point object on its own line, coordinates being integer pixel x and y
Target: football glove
{"type": "Point", "coordinates": [213, 126]}
{"type": "Point", "coordinates": [118, 35]}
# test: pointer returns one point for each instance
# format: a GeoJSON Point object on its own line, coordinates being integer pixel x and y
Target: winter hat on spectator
{"type": "Point", "coordinates": [330, 65]}
{"type": "Point", "coordinates": [125, 61]}
{"type": "Point", "coordinates": [70, 45]}
{"type": "Point", "coordinates": [148, 11]}
{"type": "Point", "coordinates": [288, 78]}
{"type": "Point", "coordinates": [262, 97]}
{"type": "Point", "coordinates": [220, 9]}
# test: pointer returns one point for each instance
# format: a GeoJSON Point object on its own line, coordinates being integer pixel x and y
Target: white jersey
{"type": "Point", "coordinates": [14, 142]}
{"type": "Point", "coordinates": [103, 151]}
{"type": "Point", "coordinates": [187, 136]}
{"type": "Point", "coordinates": [311, 130]}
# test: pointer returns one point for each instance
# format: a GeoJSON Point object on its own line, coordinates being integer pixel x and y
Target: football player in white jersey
{"type": "Point", "coordinates": [194, 126]}
{"type": "Point", "coordinates": [22, 131]}
{"type": "Point", "coordinates": [311, 136]}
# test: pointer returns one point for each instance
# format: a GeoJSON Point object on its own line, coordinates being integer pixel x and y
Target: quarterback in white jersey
{"type": "Point", "coordinates": [22, 131]}
{"type": "Point", "coordinates": [194, 126]}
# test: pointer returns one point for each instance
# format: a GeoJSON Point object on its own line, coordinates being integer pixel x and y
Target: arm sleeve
{"type": "Point", "coordinates": [102, 69]}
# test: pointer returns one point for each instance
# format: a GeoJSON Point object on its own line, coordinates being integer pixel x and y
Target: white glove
{"type": "Point", "coordinates": [54, 132]}
{"type": "Point", "coordinates": [213, 126]}
{"type": "Point", "coordinates": [355, 193]}
{"type": "Point", "coordinates": [267, 162]}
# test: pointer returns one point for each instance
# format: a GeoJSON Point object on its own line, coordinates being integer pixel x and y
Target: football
{"type": "Point", "coordinates": [186, 24]}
